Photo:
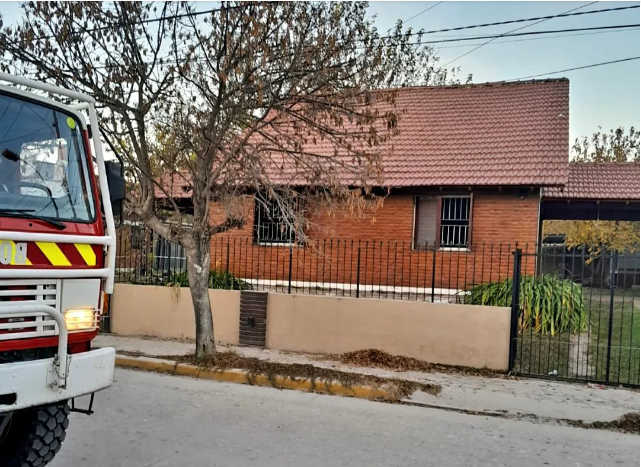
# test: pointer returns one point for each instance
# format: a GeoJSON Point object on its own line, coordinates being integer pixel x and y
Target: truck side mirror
{"type": "Point", "coordinates": [117, 188]}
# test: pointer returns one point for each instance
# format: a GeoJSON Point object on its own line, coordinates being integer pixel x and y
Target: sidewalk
{"type": "Point", "coordinates": [501, 395]}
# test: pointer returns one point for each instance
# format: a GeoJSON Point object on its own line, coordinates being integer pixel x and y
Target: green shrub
{"type": "Point", "coordinates": [226, 280]}
{"type": "Point", "coordinates": [178, 279]}
{"type": "Point", "coordinates": [548, 305]}
{"type": "Point", "coordinates": [217, 280]}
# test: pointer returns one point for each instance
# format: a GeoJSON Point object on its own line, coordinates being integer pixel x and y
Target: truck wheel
{"type": "Point", "coordinates": [34, 436]}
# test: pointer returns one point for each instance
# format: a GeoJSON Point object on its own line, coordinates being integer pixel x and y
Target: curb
{"type": "Point", "coordinates": [247, 377]}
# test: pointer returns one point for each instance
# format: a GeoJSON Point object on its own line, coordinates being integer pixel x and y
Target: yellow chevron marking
{"type": "Point", "coordinates": [87, 253]}
{"type": "Point", "coordinates": [53, 253]}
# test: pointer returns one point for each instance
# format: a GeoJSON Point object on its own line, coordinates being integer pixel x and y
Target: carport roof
{"type": "Point", "coordinates": [599, 181]}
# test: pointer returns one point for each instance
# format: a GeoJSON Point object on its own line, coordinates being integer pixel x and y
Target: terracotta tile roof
{"type": "Point", "coordinates": [485, 134]}
{"type": "Point", "coordinates": [177, 184]}
{"type": "Point", "coordinates": [605, 180]}
{"type": "Point", "coordinates": [469, 135]}
{"type": "Point", "coordinates": [496, 134]}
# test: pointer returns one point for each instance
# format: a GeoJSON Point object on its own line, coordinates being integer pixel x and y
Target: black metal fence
{"type": "Point", "coordinates": [577, 316]}
{"type": "Point", "coordinates": [144, 257]}
{"type": "Point", "coordinates": [333, 266]}
{"type": "Point", "coordinates": [596, 337]}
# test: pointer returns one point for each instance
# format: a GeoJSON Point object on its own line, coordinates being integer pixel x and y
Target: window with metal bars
{"type": "Point", "coordinates": [271, 224]}
{"type": "Point", "coordinates": [442, 221]}
{"type": "Point", "coordinates": [455, 221]}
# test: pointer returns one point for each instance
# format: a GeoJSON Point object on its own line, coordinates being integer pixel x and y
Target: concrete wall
{"type": "Point", "coordinates": [161, 312]}
{"type": "Point", "coordinates": [449, 334]}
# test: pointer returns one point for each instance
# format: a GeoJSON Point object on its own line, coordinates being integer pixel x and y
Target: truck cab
{"type": "Point", "coordinates": [57, 258]}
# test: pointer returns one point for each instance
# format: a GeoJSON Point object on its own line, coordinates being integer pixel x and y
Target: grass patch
{"type": "Point", "coordinates": [542, 355]}
{"type": "Point", "coordinates": [624, 351]}
{"type": "Point", "coordinates": [584, 355]}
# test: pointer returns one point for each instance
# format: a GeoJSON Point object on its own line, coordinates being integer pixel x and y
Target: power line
{"type": "Point", "coordinates": [418, 14]}
{"type": "Point", "coordinates": [576, 68]}
{"type": "Point", "coordinates": [523, 20]}
{"type": "Point", "coordinates": [530, 33]}
{"type": "Point", "coordinates": [539, 38]}
{"type": "Point", "coordinates": [152, 20]}
{"type": "Point", "coordinates": [614, 28]}
{"type": "Point", "coordinates": [421, 12]}
{"type": "Point", "coordinates": [203, 12]}
{"type": "Point", "coordinates": [471, 38]}
{"type": "Point", "coordinates": [511, 31]}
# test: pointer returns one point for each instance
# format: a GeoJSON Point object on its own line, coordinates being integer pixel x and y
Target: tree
{"type": "Point", "coordinates": [230, 100]}
{"type": "Point", "coordinates": [615, 146]}
{"type": "Point", "coordinates": [596, 235]}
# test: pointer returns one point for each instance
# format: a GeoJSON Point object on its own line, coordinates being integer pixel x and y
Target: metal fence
{"type": "Point", "coordinates": [333, 266]}
{"type": "Point", "coordinates": [583, 327]}
{"type": "Point", "coordinates": [144, 257]}
{"type": "Point", "coordinates": [596, 337]}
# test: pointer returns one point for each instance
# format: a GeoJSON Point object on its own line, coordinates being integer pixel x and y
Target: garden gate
{"type": "Point", "coordinates": [577, 317]}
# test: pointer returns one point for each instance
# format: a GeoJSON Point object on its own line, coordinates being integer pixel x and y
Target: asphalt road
{"type": "Point", "coordinates": [148, 419]}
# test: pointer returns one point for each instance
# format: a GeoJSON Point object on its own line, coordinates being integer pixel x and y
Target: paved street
{"type": "Point", "coordinates": [148, 419]}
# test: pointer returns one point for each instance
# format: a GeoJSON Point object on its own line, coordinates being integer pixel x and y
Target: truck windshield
{"type": "Point", "coordinates": [43, 164]}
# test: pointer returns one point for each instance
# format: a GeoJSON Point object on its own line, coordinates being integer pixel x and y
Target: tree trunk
{"type": "Point", "coordinates": [198, 263]}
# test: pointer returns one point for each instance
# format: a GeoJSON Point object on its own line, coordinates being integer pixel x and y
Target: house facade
{"type": "Point", "coordinates": [464, 186]}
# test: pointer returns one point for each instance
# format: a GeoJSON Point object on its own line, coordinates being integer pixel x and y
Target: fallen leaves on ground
{"type": "Point", "coordinates": [230, 359]}
{"type": "Point", "coordinates": [379, 359]}
{"type": "Point", "coordinates": [627, 423]}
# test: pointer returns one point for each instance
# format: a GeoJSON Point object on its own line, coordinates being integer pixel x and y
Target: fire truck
{"type": "Point", "coordinates": [57, 262]}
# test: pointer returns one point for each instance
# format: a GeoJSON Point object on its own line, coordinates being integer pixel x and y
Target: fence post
{"type": "Point", "coordinates": [289, 279]}
{"type": "Point", "coordinates": [169, 248]}
{"type": "Point", "coordinates": [433, 271]}
{"type": "Point", "coordinates": [358, 270]}
{"type": "Point", "coordinates": [227, 258]}
{"type": "Point", "coordinates": [614, 260]}
{"type": "Point", "coordinates": [514, 310]}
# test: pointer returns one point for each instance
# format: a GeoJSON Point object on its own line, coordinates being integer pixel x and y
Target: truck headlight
{"type": "Point", "coordinates": [80, 319]}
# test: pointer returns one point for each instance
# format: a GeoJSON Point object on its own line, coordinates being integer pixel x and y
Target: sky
{"type": "Point", "coordinates": [606, 96]}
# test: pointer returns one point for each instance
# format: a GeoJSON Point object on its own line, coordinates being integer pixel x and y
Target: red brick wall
{"type": "Point", "coordinates": [505, 218]}
{"type": "Point", "coordinates": [392, 221]}
{"type": "Point", "coordinates": [499, 220]}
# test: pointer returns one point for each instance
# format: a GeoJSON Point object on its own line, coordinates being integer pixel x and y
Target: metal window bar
{"type": "Point", "coordinates": [455, 218]}
{"type": "Point", "coordinates": [271, 224]}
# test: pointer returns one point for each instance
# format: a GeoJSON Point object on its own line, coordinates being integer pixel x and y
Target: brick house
{"type": "Point", "coordinates": [466, 180]}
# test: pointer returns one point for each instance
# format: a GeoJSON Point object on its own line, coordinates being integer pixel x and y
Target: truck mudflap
{"type": "Point", "coordinates": [25, 384]}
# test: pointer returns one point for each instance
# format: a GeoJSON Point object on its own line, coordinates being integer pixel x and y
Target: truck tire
{"type": "Point", "coordinates": [34, 436]}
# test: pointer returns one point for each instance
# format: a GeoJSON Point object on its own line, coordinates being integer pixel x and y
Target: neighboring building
{"type": "Point", "coordinates": [466, 178]}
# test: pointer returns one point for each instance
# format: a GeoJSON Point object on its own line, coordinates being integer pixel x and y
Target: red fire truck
{"type": "Point", "coordinates": [57, 258]}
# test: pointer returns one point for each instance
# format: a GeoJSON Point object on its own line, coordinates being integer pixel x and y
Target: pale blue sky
{"type": "Point", "coordinates": [607, 95]}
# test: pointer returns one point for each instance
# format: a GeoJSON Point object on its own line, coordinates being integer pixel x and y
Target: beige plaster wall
{"type": "Point", "coordinates": [162, 312]}
{"type": "Point", "coordinates": [449, 334]}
